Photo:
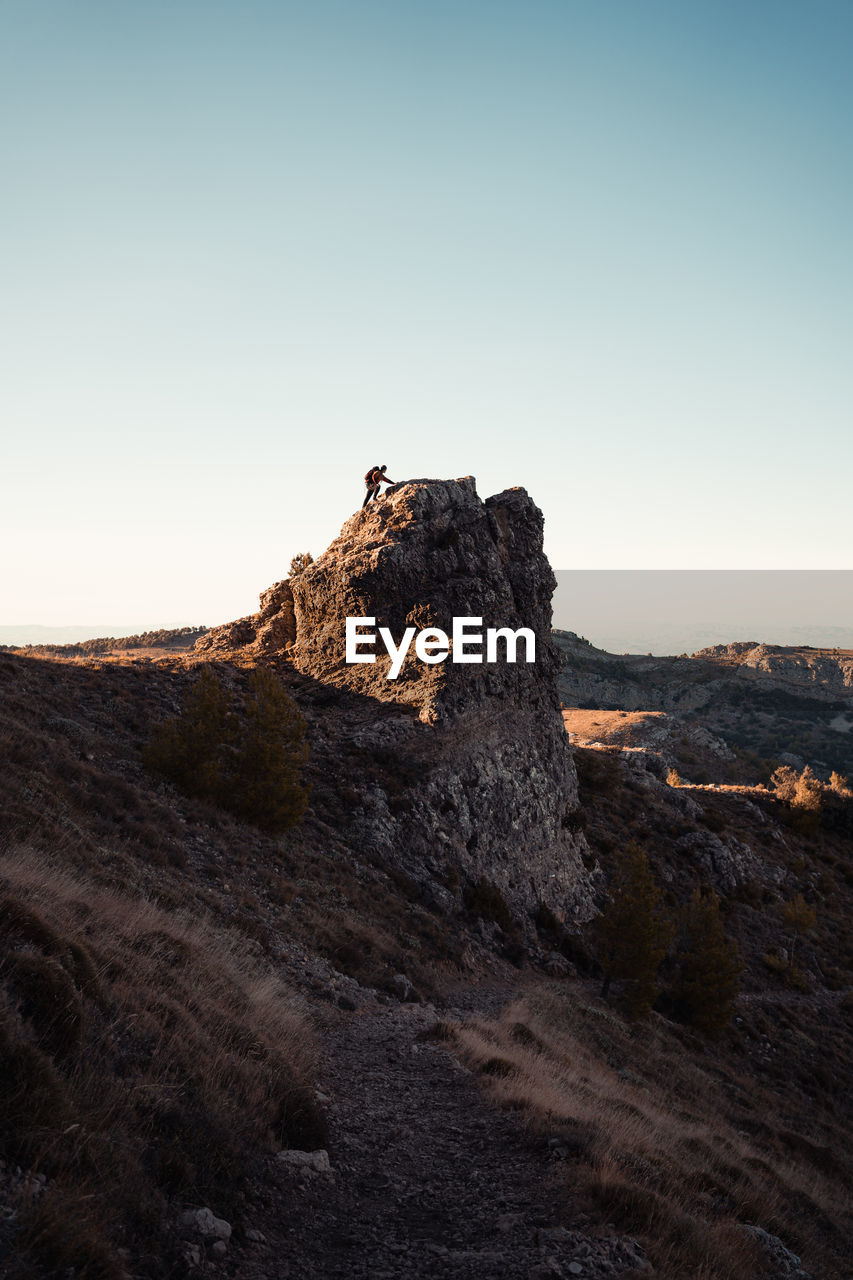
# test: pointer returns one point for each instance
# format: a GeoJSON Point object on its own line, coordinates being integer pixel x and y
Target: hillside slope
{"type": "Point", "coordinates": [764, 701]}
{"type": "Point", "coordinates": [185, 996]}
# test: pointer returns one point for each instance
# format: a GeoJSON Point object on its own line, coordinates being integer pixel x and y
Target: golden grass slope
{"type": "Point", "coordinates": [648, 1134]}
{"type": "Point", "coordinates": [148, 1063]}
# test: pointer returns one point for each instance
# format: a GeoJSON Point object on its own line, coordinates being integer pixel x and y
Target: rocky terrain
{"type": "Point", "coordinates": [492, 768]}
{"type": "Point", "coordinates": [375, 1045]}
{"type": "Point", "coordinates": [767, 702]}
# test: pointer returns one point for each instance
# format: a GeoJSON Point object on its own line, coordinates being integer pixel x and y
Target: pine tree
{"type": "Point", "coordinates": [633, 932]}
{"type": "Point", "coordinates": [249, 763]}
{"type": "Point", "coordinates": [265, 784]}
{"type": "Point", "coordinates": [188, 748]}
{"type": "Point", "coordinates": [709, 968]}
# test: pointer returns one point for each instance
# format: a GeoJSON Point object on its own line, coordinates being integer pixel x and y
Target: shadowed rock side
{"type": "Point", "coordinates": [485, 780]}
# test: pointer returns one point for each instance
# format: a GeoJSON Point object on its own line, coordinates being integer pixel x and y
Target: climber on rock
{"type": "Point", "coordinates": [374, 478]}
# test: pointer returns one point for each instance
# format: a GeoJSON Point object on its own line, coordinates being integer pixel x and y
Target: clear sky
{"type": "Point", "coordinates": [601, 249]}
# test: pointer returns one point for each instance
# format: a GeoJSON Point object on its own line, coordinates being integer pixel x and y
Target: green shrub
{"type": "Point", "coordinates": [708, 967]}
{"type": "Point", "coordinates": [633, 932]}
{"type": "Point", "coordinates": [188, 749]}
{"type": "Point", "coordinates": [249, 763]}
{"type": "Point", "coordinates": [265, 786]}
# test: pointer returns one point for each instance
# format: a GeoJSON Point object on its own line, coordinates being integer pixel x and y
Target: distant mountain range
{"type": "Point", "coordinates": [663, 612]}
{"type": "Point", "coordinates": [666, 612]}
{"type": "Point", "coordinates": [35, 634]}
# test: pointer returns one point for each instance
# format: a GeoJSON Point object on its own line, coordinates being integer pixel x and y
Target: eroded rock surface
{"type": "Point", "coordinates": [485, 779]}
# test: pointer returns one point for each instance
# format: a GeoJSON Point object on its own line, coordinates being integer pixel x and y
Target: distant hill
{"type": "Point", "coordinates": [164, 638]}
{"type": "Point", "coordinates": [31, 633]}
{"type": "Point", "coordinates": [764, 701]}
{"type": "Point", "coordinates": [679, 611]}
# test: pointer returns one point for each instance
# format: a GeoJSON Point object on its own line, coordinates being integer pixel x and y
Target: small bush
{"type": "Point", "coordinates": [808, 793]}
{"type": "Point", "coordinates": [796, 979]}
{"type": "Point", "coordinates": [784, 782]}
{"type": "Point", "coordinates": [299, 1121]}
{"type": "Point", "coordinates": [85, 974]}
{"type": "Point", "coordinates": [300, 563]}
{"type": "Point", "coordinates": [522, 1033]}
{"type": "Point", "coordinates": [188, 748]}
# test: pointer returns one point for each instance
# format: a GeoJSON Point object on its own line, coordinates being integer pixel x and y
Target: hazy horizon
{"type": "Point", "coordinates": [631, 611]}
{"type": "Point", "coordinates": [679, 611]}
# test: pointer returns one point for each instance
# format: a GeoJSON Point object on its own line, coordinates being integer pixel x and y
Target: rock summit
{"type": "Point", "coordinates": [490, 785]}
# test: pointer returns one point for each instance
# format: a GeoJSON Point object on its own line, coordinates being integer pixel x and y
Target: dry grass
{"type": "Point", "coordinates": [650, 1143]}
{"type": "Point", "coordinates": [189, 1063]}
{"type": "Point", "coordinates": [614, 728]}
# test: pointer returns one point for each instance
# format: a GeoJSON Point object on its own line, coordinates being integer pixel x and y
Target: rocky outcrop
{"type": "Point", "coordinates": [272, 630]}
{"type": "Point", "coordinates": [484, 780]}
{"type": "Point", "coordinates": [762, 698]}
{"type": "Point", "coordinates": [725, 863]}
{"type": "Point", "coordinates": [429, 552]}
{"type": "Point", "coordinates": [822, 673]}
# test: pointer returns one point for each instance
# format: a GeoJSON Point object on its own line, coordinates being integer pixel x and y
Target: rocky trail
{"type": "Point", "coordinates": [426, 1179]}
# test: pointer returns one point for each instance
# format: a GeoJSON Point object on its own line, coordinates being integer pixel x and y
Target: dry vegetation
{"type": "Point", "coordinates": [141, 929]}
{"type": "Point", "coordinates": [651, 1134]}
{"type": "Point", "coordinates": [148, 1063]}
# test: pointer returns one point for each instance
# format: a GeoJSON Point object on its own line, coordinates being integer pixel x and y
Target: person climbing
{"type": "Point", "coordinates": [374, 478]}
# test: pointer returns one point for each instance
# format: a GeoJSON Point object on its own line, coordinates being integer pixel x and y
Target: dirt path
{"type": "Point", "coordinates": [427, 1180]}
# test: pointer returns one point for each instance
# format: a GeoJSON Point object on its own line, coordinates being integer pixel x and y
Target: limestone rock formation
{"type": "Point", "coordinates": [487, 785]}
{"type": "Point", "coordinates": [726, 863]}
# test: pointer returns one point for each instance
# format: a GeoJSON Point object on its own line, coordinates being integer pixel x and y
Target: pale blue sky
{"type": "Point", "coordinates": [600, 249]}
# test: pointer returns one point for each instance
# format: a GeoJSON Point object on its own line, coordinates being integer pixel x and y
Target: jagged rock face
{"type": "Point", "coordinates": [485, 779]}
{"type": "Point", "coordinates": [430, 551]}
{"type": "Point", "coordinates": [496, 779]}
{"type": "Point", "coordinates": [726, 863]}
